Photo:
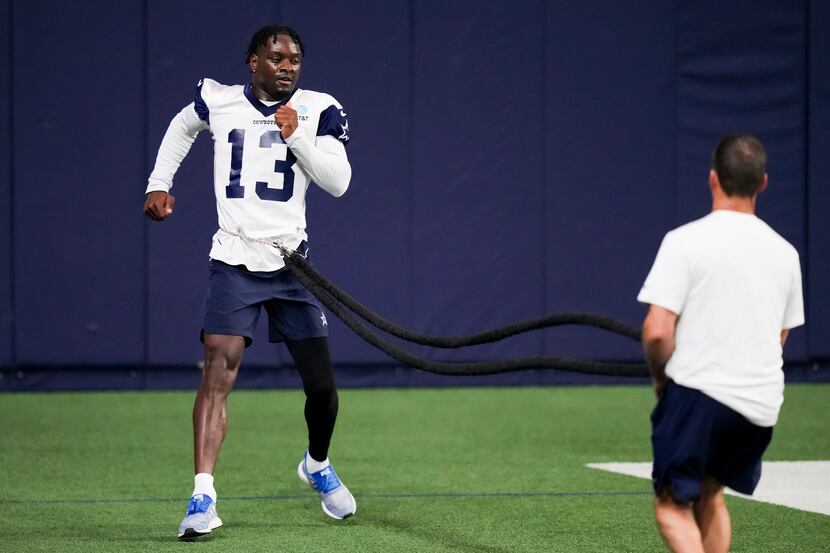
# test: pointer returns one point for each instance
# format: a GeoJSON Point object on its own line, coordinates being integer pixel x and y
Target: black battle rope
{"type": "Point", "coordinates": [458, 369]}
{"type": "Point", "coordinates": [297, 263]}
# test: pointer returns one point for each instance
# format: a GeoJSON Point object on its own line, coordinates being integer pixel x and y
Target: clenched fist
{"type": "Point", "coordinates": [159, 205]}
{"type": "Point", "coordinates": [286, 118]}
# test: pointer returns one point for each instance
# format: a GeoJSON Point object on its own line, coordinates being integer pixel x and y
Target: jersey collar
{"type": "Point", "coordinates": [267, 111]}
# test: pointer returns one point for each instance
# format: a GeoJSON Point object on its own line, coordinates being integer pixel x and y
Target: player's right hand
{"type": "Point", "coordinates": [158, 205]}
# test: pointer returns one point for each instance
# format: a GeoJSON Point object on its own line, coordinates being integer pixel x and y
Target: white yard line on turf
{"type": "Point", "coordinates": [803, 485]}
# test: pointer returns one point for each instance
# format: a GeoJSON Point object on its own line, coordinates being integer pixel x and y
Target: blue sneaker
{"type": "Point", "coordinates": [200, 518]}
{"type": "Point", "coordinates": [337, 501]}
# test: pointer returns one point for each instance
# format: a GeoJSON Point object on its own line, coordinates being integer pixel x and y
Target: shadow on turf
{"type": "Point", "coordinates": [444, 539]}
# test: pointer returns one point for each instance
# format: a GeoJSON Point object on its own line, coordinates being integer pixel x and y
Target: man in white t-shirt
{"type": "Point", "coordinates": [723, 293]}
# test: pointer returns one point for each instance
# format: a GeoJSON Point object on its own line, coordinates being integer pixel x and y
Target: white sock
{"type": "Point", "coordinates": [312, 465]}
{"type": "Point", "coordinates": [203, 484]}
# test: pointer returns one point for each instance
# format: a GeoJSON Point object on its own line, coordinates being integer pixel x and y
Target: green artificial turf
{"type": "Point", "coordinates": [436, 470]}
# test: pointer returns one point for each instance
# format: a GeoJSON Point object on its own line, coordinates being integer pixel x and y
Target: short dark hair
{"type": "Point", "coordinates": [261, 37]}
{"type": "Point", "coordinates": [740, 160]}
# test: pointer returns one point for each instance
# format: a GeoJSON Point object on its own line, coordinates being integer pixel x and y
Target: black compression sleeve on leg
{"type": "Point", "coordinates": [312, 360]}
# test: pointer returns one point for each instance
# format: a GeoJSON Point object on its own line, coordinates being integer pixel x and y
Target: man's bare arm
{"type": "Point", "coordinates": [658, 343]}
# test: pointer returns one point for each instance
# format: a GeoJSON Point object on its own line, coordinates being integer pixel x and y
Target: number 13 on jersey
{"type": "Point", "coordinates": [234, 189]}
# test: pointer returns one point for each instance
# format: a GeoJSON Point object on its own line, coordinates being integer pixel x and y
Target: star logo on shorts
{"type": "Point", "coordinates": [323, 318]}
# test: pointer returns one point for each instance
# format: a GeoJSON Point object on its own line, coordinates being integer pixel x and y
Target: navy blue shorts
{"type": "Point", "coordinates": [235, 295]}
{"type": "Point", "coordinates": [694, 436]}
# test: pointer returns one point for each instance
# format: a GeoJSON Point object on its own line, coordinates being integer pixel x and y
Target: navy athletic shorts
{"type": "Point", "coordinates": [235, 295]}
{"type": "Point", "coordinates": [694, 436]}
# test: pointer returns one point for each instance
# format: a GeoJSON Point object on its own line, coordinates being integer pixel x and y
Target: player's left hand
{"type": "Point", "coordinates": [286, 118]}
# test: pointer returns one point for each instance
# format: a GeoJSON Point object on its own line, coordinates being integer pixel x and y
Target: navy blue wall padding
{"type": "Point", "coordinates": [510, 159]}
{"type": "Point", "coordinates": [609, 150]}
{"type": "Point", "coordinates": [741, 67]}
{"type": "Point", "coordinates": [6, 223]}
{"type": "Point", "coordinates": [477, 143]}
{"type": "Point", "coordinates": [78, 147]}
{"type": "Point", "coordinates": [818, 186]}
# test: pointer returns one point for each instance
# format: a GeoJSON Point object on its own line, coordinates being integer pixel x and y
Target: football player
{"type": "Point", "coordinates": [271, 139]}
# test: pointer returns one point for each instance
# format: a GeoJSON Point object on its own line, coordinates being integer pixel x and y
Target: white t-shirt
{"type": "Point", "coordinates": [735, 284]}
{"type": "Point", "coordinates": [260, 180]}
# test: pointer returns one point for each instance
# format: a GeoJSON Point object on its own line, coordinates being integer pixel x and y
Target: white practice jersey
{"type": "Point", "coordinates": [260, 180]}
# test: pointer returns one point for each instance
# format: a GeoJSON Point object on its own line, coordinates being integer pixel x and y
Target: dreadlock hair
{"type": "Point", "coordinates": [739, 161]}
{"type": "Point", "coordinates": [261, 37]}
